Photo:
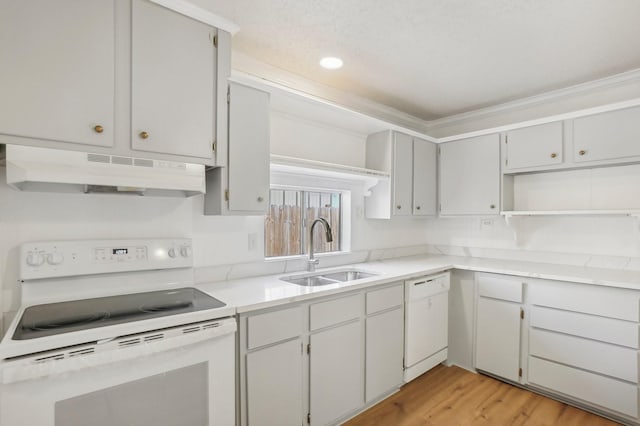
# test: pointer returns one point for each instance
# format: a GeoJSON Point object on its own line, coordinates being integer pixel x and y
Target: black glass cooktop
{"type": "Point", "coordinates": [64, 317]}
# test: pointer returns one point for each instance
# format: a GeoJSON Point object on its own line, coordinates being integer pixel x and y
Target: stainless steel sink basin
{"type": "Point", "coordinates": [350, 275]}
{"type": "Point", "coordinates": [326, 278]}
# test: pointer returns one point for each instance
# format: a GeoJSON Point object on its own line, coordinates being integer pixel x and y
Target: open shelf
{"type": "Point", "coordinates": [303, 167]}
{"type": "Point", "coordinates": [630, 212]}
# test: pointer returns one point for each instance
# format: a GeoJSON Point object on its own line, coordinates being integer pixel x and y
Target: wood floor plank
{"type": "Point", "coordinates": [452, 396]}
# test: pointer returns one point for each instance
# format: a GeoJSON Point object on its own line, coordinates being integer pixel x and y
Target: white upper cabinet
{"type": "Point", "coordinates": [402, 174]}
{"type": "Point", "coordinates": [412, 165]}
{"type": "Point", "coordinates": [57, 72]}
{"type": "Point", "coordinates": [424, 178]}
{"type": "Point", "coordinates": [248, 149]}
{"type": "Point", "coordinates": [470, 176]}
{"type": "Point", "coordinates": [612, 135]}
{"type": "Point", "coordinates": [533, 146]}
{"type": "Point", "coordinates": [173, 71]}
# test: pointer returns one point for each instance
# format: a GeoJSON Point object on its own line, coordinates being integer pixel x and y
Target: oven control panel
{"type": "Point", "coordinates": [71, 258]}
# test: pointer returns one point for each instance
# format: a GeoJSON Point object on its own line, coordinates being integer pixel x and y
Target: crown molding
{"type": "Point", "coordinates": [579, 98]}
{"type": "Point", "coordinates": [199, 14]}
{"type": "Point", "coordinates": [249, 70]}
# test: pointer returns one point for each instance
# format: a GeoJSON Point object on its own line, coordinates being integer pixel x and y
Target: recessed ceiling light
{"type": "Point", "coordinates": [331, 63]}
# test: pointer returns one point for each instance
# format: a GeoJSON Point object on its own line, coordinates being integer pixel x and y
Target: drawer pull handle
{"type": "Point", "coordinates": [420, 283]}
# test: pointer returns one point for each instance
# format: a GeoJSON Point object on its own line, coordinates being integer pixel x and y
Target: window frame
{"type": "Point", "coordinates": [344, 215]}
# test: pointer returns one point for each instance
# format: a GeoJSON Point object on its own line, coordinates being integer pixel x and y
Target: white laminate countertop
{"type": "Point", "coordinates": [254, 293]}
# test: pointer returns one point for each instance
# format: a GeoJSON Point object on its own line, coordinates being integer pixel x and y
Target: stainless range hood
{"type": "Point", "coordinates": [52, 170]}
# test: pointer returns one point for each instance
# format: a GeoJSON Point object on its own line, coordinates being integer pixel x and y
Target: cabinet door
{"type": "Point", "coordinates": [498, 338]}
{"type": "Point", "coordinates": [274, 385]}
{"type": "Point", "coordinates": [57, 73]}
{"type": "Point", "coordinates": [424, 178]}
{"type": "Point", "coordinates": [402, 174]}
{"type": "Point", "coordinates": [534, 146]}
{"type": "Point", "coordinates": [607, 136]}
{"type": "Point", "coordinates": [248, 149]}
{"type": "Point", "coordinates": [470, 176]}
{"type": "Point", "coordinates": [336, 382]}
{"type": "Point", "coordinates": [172, 87]}
{"type": "Point", "coordinates": [384, 352]}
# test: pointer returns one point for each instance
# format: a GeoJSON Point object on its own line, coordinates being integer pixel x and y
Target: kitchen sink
{"type": "Point", "coordinates": [350, 275]}
{"type": "Point", "coordinates": [326, 278]}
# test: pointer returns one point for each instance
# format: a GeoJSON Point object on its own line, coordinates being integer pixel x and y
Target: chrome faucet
{"type": "Point", "coordinates": [312, 262]}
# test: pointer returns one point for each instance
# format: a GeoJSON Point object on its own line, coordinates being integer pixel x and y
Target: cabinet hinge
{"type": "Point", "coordinates": [226, 195]}
{"type": "Point", "coordinates": [308, 418]}
{"type": "Point", "coordinates": [308, 348]}
{"type": "Point", "coordinates": [228, 95]}
{"type": "Point", "coordinates": [519, 372]}
{"type": "Point", "coordinates": [506, 138]}
{"type": "Point", "coordinates": [215, 41]}
{"type": "Point", "coordinates": [214, 145]}
{"type": "Point", "coordinates": [521, 313]}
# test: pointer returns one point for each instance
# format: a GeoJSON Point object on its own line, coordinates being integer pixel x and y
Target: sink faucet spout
{"type": "Point", "coordinates": [312, 262]}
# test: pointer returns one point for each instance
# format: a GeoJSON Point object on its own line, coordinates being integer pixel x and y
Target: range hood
{"type": "Point", "coordinates": [52, 170]}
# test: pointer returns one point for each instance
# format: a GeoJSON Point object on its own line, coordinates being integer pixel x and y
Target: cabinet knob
{"type": "Point", "coordinates": [260, 199]}
{"type": "Point", "coordinates": [98, 129]}
{"type": "Point", "coordinates": [417, 207]}
{"type": "Point", "coordinates": [493, 206]}
{"type": "Point", "coordinates": [582, 152]}
{"type": "Point", "coordinates": [144, 135]}
{"type": "Point", "coordinates": [399, 207]}
{"type": "Point", "coordinates": [554, 155]}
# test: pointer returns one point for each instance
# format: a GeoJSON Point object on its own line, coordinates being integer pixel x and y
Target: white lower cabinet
{"type": "Point", "coordinates": [384, 341]}
{"type": "Point", "coordinates": [274, 385]}
{"type": "Point", "coordinates": [307, 362]}
{"type": "Point", "coordinates": [498, 326]}
{"type": "Point", "coordinates": [577, 342]}
{"type": "Point", "coordinates": [336, 367]}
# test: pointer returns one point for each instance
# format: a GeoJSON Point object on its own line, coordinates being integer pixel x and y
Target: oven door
{"type": "Point", "coordinates": [179, 376]}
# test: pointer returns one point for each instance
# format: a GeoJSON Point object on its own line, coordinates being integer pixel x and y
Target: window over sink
{"type": "Point", "coordinates": [292, 211]}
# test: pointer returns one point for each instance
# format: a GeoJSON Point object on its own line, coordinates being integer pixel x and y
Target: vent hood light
{"type": "Point", "coordinates": [331, 63]}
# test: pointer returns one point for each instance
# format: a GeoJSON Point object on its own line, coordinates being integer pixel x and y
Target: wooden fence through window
{"type": "Point", "coordinates": [283, 230]}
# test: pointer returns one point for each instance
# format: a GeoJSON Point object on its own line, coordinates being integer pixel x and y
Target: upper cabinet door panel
{"type": "Point", "coordinates": [534, 146]}
{"type": "Point", "coordinates": [424, 178]}
{"type": "Point", "coordinates": [248, 149]}
{"type": "Point", "coordinates": [470, 176]}
{"type": "Point", "coordinates": [57, 72]}
{"type": "Point", "coordinates": [172, 88]}
{"type": "Point", "coordinates": [402, 174]}
{"type": "Point", "coordinates": [607, 136]}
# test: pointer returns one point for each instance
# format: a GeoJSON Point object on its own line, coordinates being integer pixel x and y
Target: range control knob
{"type": "Point", "coordinates": [185, 251]}
{"type": "Point", "coordinates": [55, 258]}
{"type": "Point", "coordinates": [172, 253]}
{"type": "Point", "coordinates": [35, 259]}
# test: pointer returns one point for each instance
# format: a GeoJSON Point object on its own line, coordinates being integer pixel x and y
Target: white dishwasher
{"type": "Point", "coordinates": [426, 323]}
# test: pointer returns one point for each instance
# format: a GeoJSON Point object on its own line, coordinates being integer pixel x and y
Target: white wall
{"type": "Point", "coordinates": [598, 235]}
{"type": "Point", "coordinates": [301, 138]}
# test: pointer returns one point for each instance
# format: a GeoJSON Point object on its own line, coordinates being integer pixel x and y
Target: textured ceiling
{"type": "Point", "coordinates": [435, 58]}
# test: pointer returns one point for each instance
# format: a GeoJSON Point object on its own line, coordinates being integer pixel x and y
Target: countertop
{"type": "Point", "coordinates": [254, 293]}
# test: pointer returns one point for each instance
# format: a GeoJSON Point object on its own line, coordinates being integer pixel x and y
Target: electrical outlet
{"type": "Point", "coordinates": [251, 241]}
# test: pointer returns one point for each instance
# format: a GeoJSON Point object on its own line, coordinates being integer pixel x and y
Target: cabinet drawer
{"type": "Point", "coordinates": [331, 312]}
{"type": "Point", "coordinates": [593, 388]}
{"type": "Point", "coordinates": [272, 327]}
{"type": "Point", "coordinates": [589, 299]}
{"type": "Point", "coordinates": [609, 330]}
{"type": "Point", "coordinates": [427, 286]}
{"type": "Point", "coordinates": [604, 358]}
{"type": "Point", "coordinates": [386, 298]}
{"type": "Point", "coordinates": [500, 287]}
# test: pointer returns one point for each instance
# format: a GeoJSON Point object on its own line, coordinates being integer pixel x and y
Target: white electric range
{"type": "Point", "coordinates": [113, 332]}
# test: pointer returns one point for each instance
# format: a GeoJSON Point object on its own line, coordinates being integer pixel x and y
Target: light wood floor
{"type": "Point", "coordinates": [452, 396]}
